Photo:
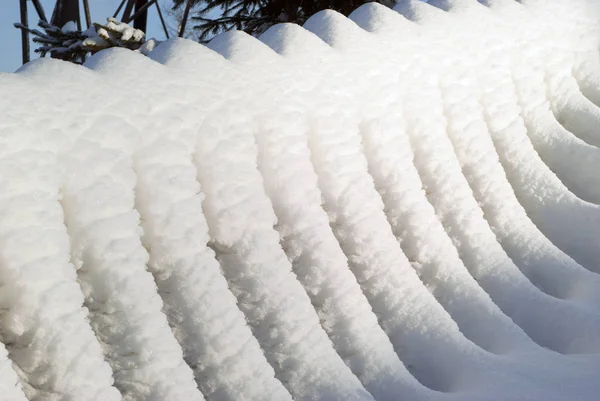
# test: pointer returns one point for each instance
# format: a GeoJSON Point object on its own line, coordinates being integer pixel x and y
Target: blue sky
{"type": "Point", "coordinates": [10, 37]}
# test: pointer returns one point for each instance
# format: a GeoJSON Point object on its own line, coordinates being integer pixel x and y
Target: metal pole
{"type": "Point", "coordinates": [140, 15]}
{"type": "Point", "coordinates": [24, 33]}
{"type": "Point", "coordinates": [39, 9]}
{"type": "Point", "coordinates": [78, 20]}
{"type": "Point", "coordinates": [186, 15]}
{"type": "Point", "coordinates": [88, 16]}
{"type": "Point", "coordinates": [66, 11]}
{"type": "Point", "coordinates": [139, 12]}
{"type": "Point", "coordinates": [128, 9]}
{"type": "Point", "coordinates": [56, 11]}
{"type": "Point", "coordinates": [119, 8]}
{"type": "Point", "coordinates": [162, 20]}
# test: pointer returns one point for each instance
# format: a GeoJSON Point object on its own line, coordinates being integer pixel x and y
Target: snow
{"type": "Point", "coordinates": [111, 34]}
{"type": "Point", "coordinates": [401, 204]}
{"type": "Point", "coordinates": [70, 26]}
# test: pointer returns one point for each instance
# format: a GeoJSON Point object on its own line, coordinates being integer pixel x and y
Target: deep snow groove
{"type": "Point", "coordinates": [240, 219]}
{"type": "Point", "coordinates": [320, 264]}
{"type": "Point", "coordinates": [200, 308]}
{"type": "Point", "coordinates": [462, 217]}
{"type": "Point", "coordinates": [125, 309]}
{"type": "Point", "coordinates": [402, 204]}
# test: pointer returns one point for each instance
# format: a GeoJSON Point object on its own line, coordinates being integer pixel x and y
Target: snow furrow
{"type": "Point", "coordinates": [320, 264]}
{"type": "Point", "coordinates": [217, 343]}
{"type": "Point", "coordinates": [260, 276]}
{"type": "Point", "coordinates": [549, 204]}
{"type": "Point", "coordinates": [547, 195]}
{"type": "Point", "coordinates": [50, 339]}
{"type": "Point", "coordinates": [42, 321]}
{"type": "Point", "coordinates": [386, 277]}
{"type": "Point", "coordinates": [578, 114]}
{"type": "Point", "coordinates": [356, 217]}
{"type": "Point", "coordinates": [573, 161]}
{"type": "Point", "coordinates": [542, 262]}
{"type": "Point", "coordinates": [227, 359]}
{"type": "Point", "coordinates": [546, 266]}
{"type": "Point", "coordinates": [306, 237]}
{"type": "Point", "coordinates": [584, 46]}
{"type": "Point", "coordinates": [10, 388]}
{"type": "Point", "coordinates": [553, 55]}
{"type": "Point", "coordinates": [125, 309]}
{"type": "Point", "coordinates": [487, 261]}
{"type": "Point", "coordinates": [458, 213]}
{"type": "Point", "coordinates": [545, 76]}
{"type": "Point", "coordinates": [454, 210]}
{"type": "Point", "coordinates": [547, 320]}
{"type": "Point", "coordinates": [365, 208]}
{"type": "Point", "coordinates": [587, 73]}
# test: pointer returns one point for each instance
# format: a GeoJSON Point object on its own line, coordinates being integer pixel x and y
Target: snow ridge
{"type": "Point", "coordinates": [401, 204]}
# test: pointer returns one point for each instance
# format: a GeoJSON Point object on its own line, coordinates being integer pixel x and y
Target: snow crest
{"type": "Point", "coordinates": [401, 204]}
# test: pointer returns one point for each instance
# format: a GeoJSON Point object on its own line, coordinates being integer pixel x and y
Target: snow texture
{"type": "Point", "coordinates": [399, 205]}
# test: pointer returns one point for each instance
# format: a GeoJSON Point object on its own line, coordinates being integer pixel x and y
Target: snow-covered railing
{"type": "Point", "coordinates": [401, 205]}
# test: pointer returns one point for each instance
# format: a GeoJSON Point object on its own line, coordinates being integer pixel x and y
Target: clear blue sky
{"type": "Point", "coordinates": [10, 37]}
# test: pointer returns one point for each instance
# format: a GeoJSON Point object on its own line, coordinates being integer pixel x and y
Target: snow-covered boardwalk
{"type": "Point", "coordinates": [399, 205]}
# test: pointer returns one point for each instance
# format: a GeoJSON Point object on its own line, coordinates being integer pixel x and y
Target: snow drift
{"type": "Point", "coordinates": [398, 205]}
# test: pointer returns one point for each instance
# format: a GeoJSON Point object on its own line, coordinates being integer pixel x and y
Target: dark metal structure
{"type": "Point", "coordinates": [69, 10]}
{"type": "Point", "coordinates": [24, 33]}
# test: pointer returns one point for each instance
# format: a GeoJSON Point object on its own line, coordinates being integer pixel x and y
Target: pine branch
{"type": "Point", "coordinates": [256, 16]}
{"type": "Point", "coordinates": [75, 45]}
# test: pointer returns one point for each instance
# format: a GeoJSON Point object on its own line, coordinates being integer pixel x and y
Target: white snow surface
{"type": "Point", "coordinates": [399, 205]}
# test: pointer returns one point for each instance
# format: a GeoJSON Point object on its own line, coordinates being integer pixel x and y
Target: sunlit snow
{"type": "Point", "coordinates": [398, 205]}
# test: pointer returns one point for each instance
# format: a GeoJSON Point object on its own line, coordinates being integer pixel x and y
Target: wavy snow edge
{"type": "Point", "coordinates": [373, 207]}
